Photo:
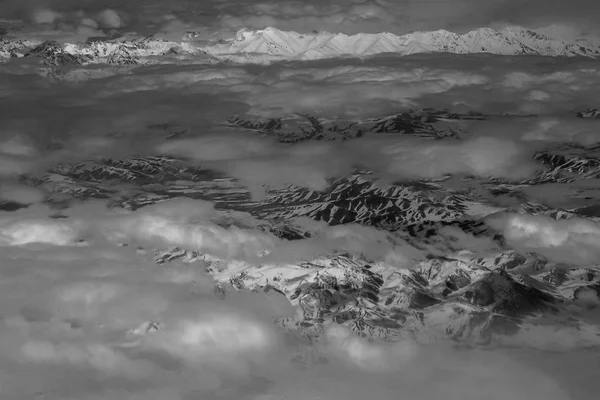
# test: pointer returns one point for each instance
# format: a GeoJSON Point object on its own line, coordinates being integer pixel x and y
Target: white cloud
{"type": "Point", "coordinates": [479, 156]}
{"type": "Point", "coordinates": [214, 336]}
{"type": "Point", "coordinates": [568, 241]}
{"type": "Point", "coordinates": [380, 357]}
{"type": "Point", "coordinates": [47, 231]}
{"type": "Point", "coordinates": [90, 23]}
{"type": "Point", "coordinates": [17, 145]}
{"type": "Point", "coordinates": [552, 129]}
{"type": "Point", "coordinates": [14, 166]}
{"type": "Point", "coordinates": [185, 224]}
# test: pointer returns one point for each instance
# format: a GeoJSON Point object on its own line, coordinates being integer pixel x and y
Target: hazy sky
{"type": "Point", "coordinates": [574, 17]}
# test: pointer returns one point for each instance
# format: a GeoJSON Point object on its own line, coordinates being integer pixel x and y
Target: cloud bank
{"type": "Point", "coordinates": [104, 322]}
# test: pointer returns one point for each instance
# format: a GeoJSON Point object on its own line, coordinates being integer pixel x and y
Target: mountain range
{"type": "Point", "coordinates": [271, 44]}
{"type": "Point", "coordinates": [499, 298]}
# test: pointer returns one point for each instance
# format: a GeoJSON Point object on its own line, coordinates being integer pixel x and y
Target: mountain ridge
{"type": "Point", "coordinates": [271, 44]}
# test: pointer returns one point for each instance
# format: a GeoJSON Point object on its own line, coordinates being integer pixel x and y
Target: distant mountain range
{"type": "Point", "coordinates": [270, 44]}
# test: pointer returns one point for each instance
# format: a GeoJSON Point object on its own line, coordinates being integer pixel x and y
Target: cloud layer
{"type": "Point", "coordinates": [109, 116]}
{"type": "Point", "coordinates": [102, 321]}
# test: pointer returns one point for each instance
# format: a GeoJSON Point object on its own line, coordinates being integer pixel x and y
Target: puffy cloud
{"type": "Point", "coordinates": [185, 223]}
{"type": "Point", "coordinates": [215, 338]}
{"type": "Point", "coordinates": [568, 241]}
{"type": "Point", "coordinates": [109, 19]}
{"type": "Point", "coordinates": [45, 16]}
{"type": "Point", "coordinates": [47, 231]}
{"type": "Point", "coordinates": [381, 357]}
{"type": "Point", "coordinates": [64, 21]}
{"type": "Point", "coordinates": [18, 155]}
{"type": "Point", "coordinates": [553, 129]}
{"type": "Point", "coordinates": [480, 156]}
